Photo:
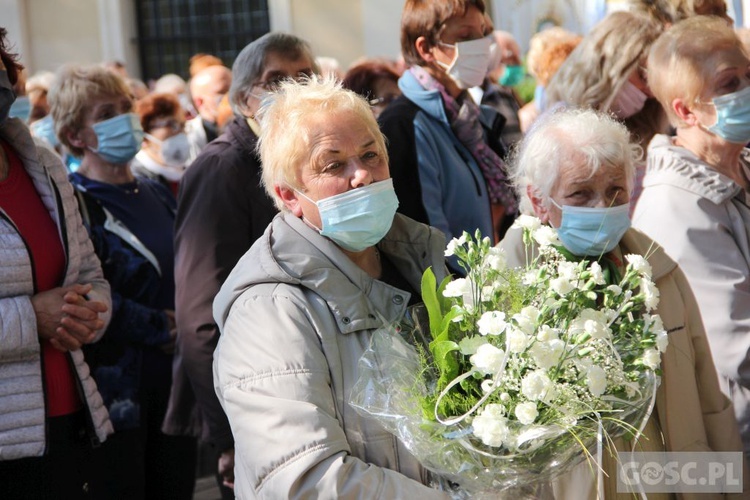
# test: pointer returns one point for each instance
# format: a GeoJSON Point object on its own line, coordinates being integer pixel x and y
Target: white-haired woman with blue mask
{"type": "Point", "coordinates": [695, 197]}
{"type": "Point", "coordinates": [574, 171]}
{"type": "Point", "coordinates": [300, 307]}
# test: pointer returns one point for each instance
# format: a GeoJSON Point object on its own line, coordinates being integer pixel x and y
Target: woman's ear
{"type": "Point", "coordinates": [683, 112]}
{"type": "Point", "coordinates": [424, 49]}
{"type": "Point", "coordinates": [540, 210]}
{"type": "Point", "coordinates": [290, 199]}
{"type": "Point", "coordinates": [75, 139]}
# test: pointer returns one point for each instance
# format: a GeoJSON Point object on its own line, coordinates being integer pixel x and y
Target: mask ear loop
{"type": "Point", "coordinates": [305, 219]}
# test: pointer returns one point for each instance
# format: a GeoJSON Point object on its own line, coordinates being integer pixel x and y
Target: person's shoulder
{"type": "Point", "coordinates": [402, 108]}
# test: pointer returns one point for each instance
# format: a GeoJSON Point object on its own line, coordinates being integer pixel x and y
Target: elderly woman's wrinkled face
{"type": "Point", "coordinates": [575, 186]}
{"type": "Point", "coordinates": [276, 68]}
{"type": "Point", "coordinates": [344, 154]}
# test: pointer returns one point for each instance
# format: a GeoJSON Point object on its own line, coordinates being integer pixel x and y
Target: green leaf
{"type": "Point", "coordinates": [445, 360]}
{"type": "Point", "coordinates": [432, 301]}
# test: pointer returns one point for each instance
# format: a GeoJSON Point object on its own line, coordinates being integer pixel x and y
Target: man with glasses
{"type": "Point", "coordinates": [222, 209]}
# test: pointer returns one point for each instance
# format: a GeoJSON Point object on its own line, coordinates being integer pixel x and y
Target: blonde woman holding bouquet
{"type": "Point", "coordinates": [575, 172]}
{"type": "Point", "coordinates": [301, 305]}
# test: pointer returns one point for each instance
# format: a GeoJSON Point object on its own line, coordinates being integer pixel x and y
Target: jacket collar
{"type": "Point", "coordinates": [241, 132]}
{"type": "Point", "coordinates": [430, 101]}
{"type": "Point", "coordinates": [685, 170]}
{"type": "Point", "coordinates": [635, 242]}
{"type": "Point", "coordinates": [291, 252]}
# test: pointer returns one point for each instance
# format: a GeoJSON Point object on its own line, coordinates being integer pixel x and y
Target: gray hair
{"type": "Point", "coordinates": [589, 138]}
{"type": "Point", "coordinates": [249, 65]}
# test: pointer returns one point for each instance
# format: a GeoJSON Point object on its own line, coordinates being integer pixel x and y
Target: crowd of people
{"type": "Point", "coordinates": [205, 261]}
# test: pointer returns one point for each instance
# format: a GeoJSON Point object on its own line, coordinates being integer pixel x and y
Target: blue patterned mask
{"type": "Point", "coordinates": [592, 232]}
{"type": "Point", "coordinates": [733, 117]}
{"type": "Point", "coordinates": [359, 218]}
{"type": "Point", "coordinates": [119, 138]}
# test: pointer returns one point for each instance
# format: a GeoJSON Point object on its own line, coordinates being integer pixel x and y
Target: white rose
{"type": "Point", "coordinates": [527, 222]}
{"type": "Point", "coordinates": [526, 413]}
{"type": "Point", "coordinates": [568, 270]}
{"type": "Point", "coordinates": [650, 293]}
{"type": "Point", "coordinates": [652, 358]}
{"type": "Point", "coordinates": [496, 259]}
{"type": "Point", "coordinates": [490, 426]}
{"type": "Point", "coordinates": [546, 236]}
{"type": "Point", "coordinates": [561, 286]}
{"type": "Point", "coordinates": [596, 380]}
{"type": "Point", "coordinates": [546, 333]}
{"type": "Point", "coordinates": [469, 345]}
{"type": "Point", "coordinates": [517, 340]}
{"type": "Point", "coordinates": [527, 318]}
{"type": "Point", "coordinates": [536, 385]}
{"type": "Point", "coordinates": [639, 264]}
{"type": "Point", "coordinates": [492, 323]}
{"type": "Point", "coordinates": [488, 359]}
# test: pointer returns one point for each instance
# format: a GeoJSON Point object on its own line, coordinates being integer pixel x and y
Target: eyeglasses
{"type": "Point", "coordinates": [274, 83]}
{"type": "Point", "coordinates": [171, 123]}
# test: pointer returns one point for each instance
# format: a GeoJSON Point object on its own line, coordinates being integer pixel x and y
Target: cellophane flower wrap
{"type": "Point", "coordinates": [514, 375]}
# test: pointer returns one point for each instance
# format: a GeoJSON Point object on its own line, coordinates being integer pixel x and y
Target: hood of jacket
{"type": "Point", "coordinates": [290, 252]}
{"type": "Point", "coordinates": [678, 166]}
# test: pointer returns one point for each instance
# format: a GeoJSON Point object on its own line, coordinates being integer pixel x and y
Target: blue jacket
{"type": "Point", "coordinates": [436, 178]}
{"type": "Point", "coordinates": [133, 272]}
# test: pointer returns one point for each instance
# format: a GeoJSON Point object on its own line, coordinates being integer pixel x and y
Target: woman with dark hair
{"type": "Point", "coordinates": [376, 80]}
{"type": "Point", "coordinates": [165, 146]}
{"type": "Point", "coordinates": [448, 168]}
{"type": "Point", "coordinates": [53, 299]}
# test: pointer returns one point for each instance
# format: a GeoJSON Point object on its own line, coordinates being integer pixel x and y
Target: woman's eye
{"type": "Point", "coordinates": [331, 166]}
{"type": "Point", "coordinates": [370, 155]}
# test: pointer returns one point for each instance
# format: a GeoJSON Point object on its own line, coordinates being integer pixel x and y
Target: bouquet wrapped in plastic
{"type": "Point", "coordinates": [509, 377]}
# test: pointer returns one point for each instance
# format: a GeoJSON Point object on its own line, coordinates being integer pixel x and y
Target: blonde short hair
{"type": "Point", "coordinates": [543, 41]}
{"type": "Point", "coordinates": [284, 118]}
{"type": "Point", "coordinates": [678, 62]}
{"type": "Point", "coordinates": [72, 91]}
{"type": "Point", "coordinates": [589, 138]}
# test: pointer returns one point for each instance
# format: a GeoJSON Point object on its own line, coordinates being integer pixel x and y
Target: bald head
{"type": "Point", "coordinates": [207, 88]}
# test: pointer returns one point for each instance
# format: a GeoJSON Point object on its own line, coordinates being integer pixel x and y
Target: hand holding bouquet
{"type": "Point", "coordinates": [524, 370]}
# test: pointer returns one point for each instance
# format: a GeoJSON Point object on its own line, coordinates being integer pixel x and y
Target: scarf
{"type": "Point", "coordinates": [465, 124]}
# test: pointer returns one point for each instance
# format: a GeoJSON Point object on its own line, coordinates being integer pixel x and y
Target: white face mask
{"type": "Point", "coordinates": [174, 150]}
{"type": "Point", "coordinates": [469, 66]}
{"type": "Point", "coordinates": [628, 101]}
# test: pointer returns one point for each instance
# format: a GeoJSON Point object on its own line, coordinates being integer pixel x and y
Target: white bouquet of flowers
{"type": "Point", "coordinates": [516, 375]}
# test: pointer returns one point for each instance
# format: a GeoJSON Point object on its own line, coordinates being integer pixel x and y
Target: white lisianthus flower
{"type": "Point", "coordinates": [488, 359]}
{"type": "Point", "coordinates": [662, 341]}
{"type": "Point", "coordinates": [568, 270]}
{"type": "Point", "coordinates": [492, 323]}
{"type": "Point", "coordinates": [546, 236]}
{"type": "Point", "coordinates": [536, 385]}
{"type": "Point", "coordinates": [527, 319]}
{"type": "Point", "coordinates": [650, 293]}
{"type": "Point", "coordinates": [529, 278]}
{"type": "Point", "coordinates": [469, 345]}
{"type": "Point", "coordinates": [450, 249]}
{"type": "Point", "coordinates": [596, 380]}
{"type": "Point", "coordinates": [592, 322]}
{"type": "Point", "coordinates": [517, 340]}
{"type": "Point", "coordinates": [547, 354]}
{"type": "Point", "coordinates": [596, 329]}
{"type": "Point", "coordinates": [527, 222]}
{"type": "Point", "coordinates": [652, 358]}
{"type": "Point", "coordinates": [616, 290]}
{"type": "Point", "coordinates": [561, 286]}
{"type": "Point", "coordinates": [640, 265]}
{"type": "Point", "coordinates": [526, 413]}
{"type": "Point", "coordinates": [496, 259]}
{"type": "Point", "coordinates": [491, 426]}
{"type": "Point", "coordinates": [596, 273]}
{"type": "Point", "coordinates": [457, 288]}
{"type": "Point", "coordinates": [546, 333]}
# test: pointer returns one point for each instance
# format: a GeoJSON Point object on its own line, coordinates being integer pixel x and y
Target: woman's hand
{"type": "Point", "coordinates": [66, 318]}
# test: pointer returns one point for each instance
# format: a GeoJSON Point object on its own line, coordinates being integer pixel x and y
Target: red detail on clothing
{"type": "Point", "coordinates": [23, 205]}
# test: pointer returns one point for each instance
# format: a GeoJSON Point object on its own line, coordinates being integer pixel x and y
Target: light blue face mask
{"type": "Point", "coordinates": [513, 75]}
{"type": "Point", "coordinates": [592, 232]}
{"type": "Point", "coordinates": [119, 138]}
{"type": "Point", "coordinates": [21, 108]}
{"type": "Point", "coordinates": [733, 116]}
{"type": "Point", "coordinates": [44, 129]}
{"type": "Point", "coordinates": [359, 218]}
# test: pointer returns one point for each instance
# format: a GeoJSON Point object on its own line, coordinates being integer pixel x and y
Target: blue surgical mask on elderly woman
{"type": "Point", "coordinates": [359, 218]}
{"type": "Point", "coordinates": [45, 129]}
{"type": "Point", "coordinates": [590, 231]}
{"type": "Point", "coordinates": [119, 138]}
{"type": "Point", "coordinates": [7, 96]}
{"type": "Point", "coordinates": [21, 108]}
{"type": "Point", "coordinates": [733, 117]}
